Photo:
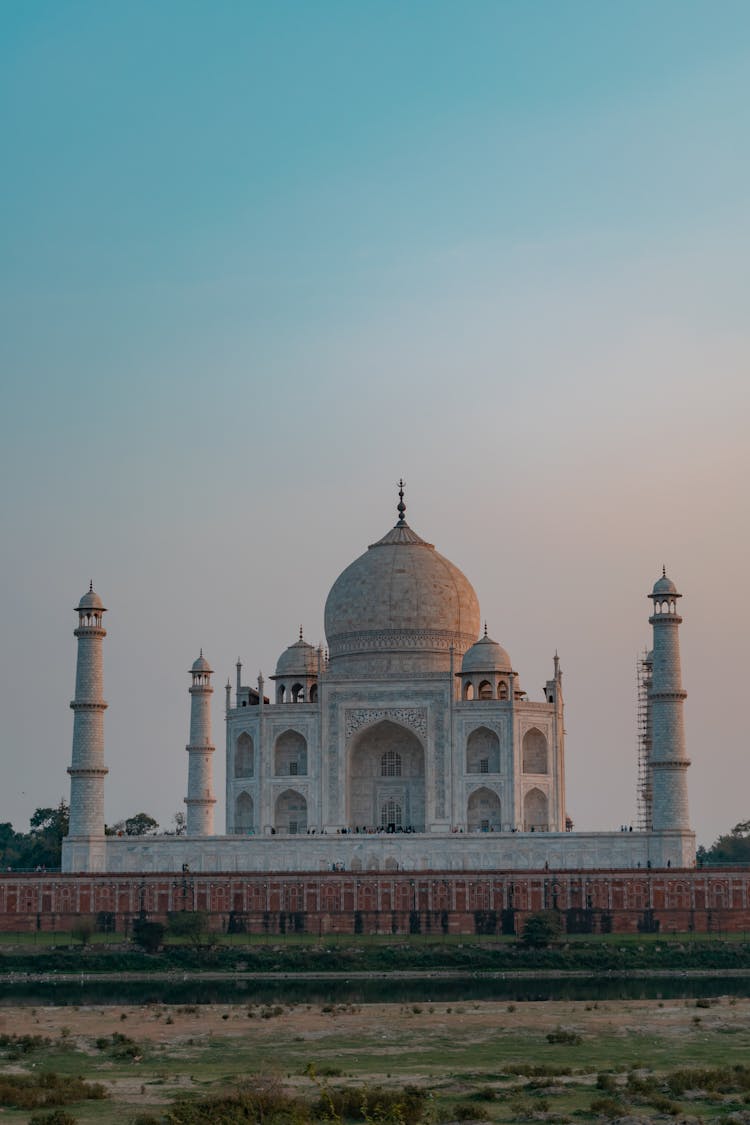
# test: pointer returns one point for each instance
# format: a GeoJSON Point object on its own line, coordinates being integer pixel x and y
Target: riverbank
{"type": "Point", "coordinates": [290, 957]}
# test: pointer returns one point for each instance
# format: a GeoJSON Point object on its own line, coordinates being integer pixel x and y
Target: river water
{"type": "Point", "coordinates": [373, 990]}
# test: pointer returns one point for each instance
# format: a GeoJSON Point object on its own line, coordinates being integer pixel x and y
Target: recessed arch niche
{"type": "Point", "coordinates": [386, 763]}
{"type": "Point", "coordinates": [244, 814]}
{"type": "Point", "coordinates": [483, 751]}
{"type": "Point", "coordinates": [290, 755]}
{"type": "Point", "coordinates": [483, 811]}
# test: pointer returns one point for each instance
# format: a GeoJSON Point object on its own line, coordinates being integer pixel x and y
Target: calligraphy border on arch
{"type": "Point", "coordinates": [413, 717]}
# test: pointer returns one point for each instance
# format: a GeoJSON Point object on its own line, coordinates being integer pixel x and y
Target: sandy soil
{"type": "Point", "coordinates": [150, 1022]}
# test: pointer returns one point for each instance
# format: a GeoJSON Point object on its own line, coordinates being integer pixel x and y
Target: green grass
{"type": "Point", "coordinates": [454, 1051]}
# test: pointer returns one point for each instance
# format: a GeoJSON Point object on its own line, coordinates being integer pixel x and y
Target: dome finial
{"type": "Point", "coordinates": [485, 628]}
{"type": "Point", "coordinates": [300, 633]}
{"type": "Point", "coordinates": [91, 585]}
{"type": "Point", "coordinates": [401, 507]}
{"type": "Point", "coordinates": [664, 571]}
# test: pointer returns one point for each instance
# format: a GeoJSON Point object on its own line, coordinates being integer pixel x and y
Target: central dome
{"type": "Point", "coordinates": [398, 608]}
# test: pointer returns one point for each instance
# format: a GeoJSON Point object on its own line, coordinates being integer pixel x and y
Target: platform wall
{"type": "Point", "coordinates": [712, 900]}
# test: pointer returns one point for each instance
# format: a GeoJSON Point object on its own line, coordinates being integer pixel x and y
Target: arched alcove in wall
{"type": "Point", "coordinates": [534, 750]}
{"type": "Point", "coordinates": [483, 751]}
{"type": "Point", "coordinates": [290, 814]}
{"type": "Point", "coordinates": [290, 755]}
{"type": "Point", "coordinates": [244, 756]}
{"type": "Point", "coordinates": [244, 814]}
{"type": "Point", "coordinates": [483, 813]}
{"type": "Point", "coordinates": [386, 762]}
{"type": "Point", "coordinates": [535, 811]}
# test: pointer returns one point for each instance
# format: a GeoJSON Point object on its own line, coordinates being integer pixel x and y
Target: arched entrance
{"type": "Point", "coordinates": [386, 779]}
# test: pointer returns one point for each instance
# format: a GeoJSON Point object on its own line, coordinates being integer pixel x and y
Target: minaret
{"type": "Point", "coordinates": [87, 770]}
{"type": "Point", "coordinates": [669, 761]}
{"type": "Point", "coordinates": [200, 800]}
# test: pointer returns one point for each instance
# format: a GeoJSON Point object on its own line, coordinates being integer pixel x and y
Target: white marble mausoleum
{"type": "Point", "coordinates": [410, 744]}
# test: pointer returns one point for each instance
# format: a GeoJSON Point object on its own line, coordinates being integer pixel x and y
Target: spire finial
{"type": "Point", "coordinates": [485, 628]}
{"type": "Point", "coordinates": [401, 507]}
{"type": "Point", "coordinates": [664, 571]}
{"type": "Point", "coordinates": [300, 633]}
{"type": "Point", "coordinates": [201, 651]}
{"type": "Point", "coordinates": [91, 586]}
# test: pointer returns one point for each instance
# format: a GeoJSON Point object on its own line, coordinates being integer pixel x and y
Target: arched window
{"type": "Point", "coordinates": [243, 814]}
{"type": "Point", "coordinates": [314, 693]}
{"type": "Point", "coordinates": [390, 764]}
{"type": "Point", "coordinates": [485, 690]}
{"type": "Point", "coordinates": [243, 756]}
{"type": "Point", "coordinates": [535, 816]}
{"type": "Point", "coordinates": [298, 693]}
{"type": "Point", "coordinates": [483, 751]}
{"type": "Point", "coordinates": [290, 755]}
{"type": "Point", "coordinates": [535, 752]}
{"type": "Point", "coordinates": [502, 690]}
{"type": "Point", "coordinates": [468, 690]}
{"type": "Point", "coordinates": [391, 814]}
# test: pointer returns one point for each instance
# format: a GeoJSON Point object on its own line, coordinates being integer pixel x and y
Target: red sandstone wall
{"type": "Point", "coordinates": [713, 900]}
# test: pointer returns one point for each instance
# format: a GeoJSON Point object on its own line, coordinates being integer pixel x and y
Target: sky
{"type": "Point", "coordinates": [258, 261]}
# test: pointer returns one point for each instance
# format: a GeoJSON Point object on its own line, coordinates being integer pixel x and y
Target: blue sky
{"type": "Point", "coordinates": [258, 261]}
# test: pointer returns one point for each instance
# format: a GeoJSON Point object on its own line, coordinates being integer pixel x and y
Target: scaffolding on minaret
{"type": "Point", "coordinates": [644, 672]}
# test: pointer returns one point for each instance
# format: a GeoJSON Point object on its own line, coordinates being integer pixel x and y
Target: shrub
{"type": "Point", "coordinates": [606, 1082]}
{"type": "Point", "coordinates": [149, 935]}
{"type": "Point", "coordinates": [608, 1107]}
{"type": "Point", "coordinates": [541, 929]}
{"type": "Point", "coordinates": [36, 1091]}
{"type": "Point", "coordinates": [466, 1112]}
{"type": "Point", "coordinates": [561, 1035]}
{"type": "Point", "coordinates": [374, 1104]}
{"type": "Point", "coordinates": [57, 1117]}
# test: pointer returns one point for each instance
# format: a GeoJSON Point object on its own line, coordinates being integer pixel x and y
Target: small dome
{"type": "Point", "coordinates": [300, 659]}
{"type": "Point", "coordinates": [665, 585]}
{"type": "Point", "coordinates": [201, 664]}
{"type": "Point", "coordinates": [90, 600]}
{"type": "Point", "coordinates": [486, 656]}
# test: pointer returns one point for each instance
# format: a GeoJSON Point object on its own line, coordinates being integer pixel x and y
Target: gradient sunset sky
{"type": "Point", "coordinates": [257, 261]}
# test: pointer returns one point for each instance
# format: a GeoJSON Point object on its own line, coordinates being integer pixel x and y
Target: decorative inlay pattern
{"type": "Point", "coordinates": [414, 717]}
{"type": "Point", "coordinates": [418, 639]}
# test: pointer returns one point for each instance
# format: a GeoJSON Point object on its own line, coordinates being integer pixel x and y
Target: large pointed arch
{"type": "Point", "coordinates": [386, 762]}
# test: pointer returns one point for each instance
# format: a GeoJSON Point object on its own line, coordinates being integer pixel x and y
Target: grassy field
{"type": "Point", "coordinates": [483, 1061]}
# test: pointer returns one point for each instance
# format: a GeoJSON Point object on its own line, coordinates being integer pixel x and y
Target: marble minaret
{"type": "Point", "coordinates": [200, 800]}
{"type": "Point", "coordinates": [669, 761]}
{"type": "Point", "coordinates": [83, 849]}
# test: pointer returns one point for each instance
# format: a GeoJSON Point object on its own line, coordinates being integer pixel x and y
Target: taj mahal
{"type": "Point", "coordinates": [410, 744]}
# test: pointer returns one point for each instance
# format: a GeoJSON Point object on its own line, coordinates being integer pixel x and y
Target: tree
{"type": "Point", "coordinates": [41, 846]}
{"type": "Point", "coordinates": [734, 847]}
{"type": "Point", "coordinates": [149, 935]}
{"type": "Point", "coordinates": [140, 824]}
{"type": "Point", "coordinates": [83, 928]}
{"type": "Point", "coordinates": [541, 929]}
{"type": "Point", "coordinates": [191, 925]}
